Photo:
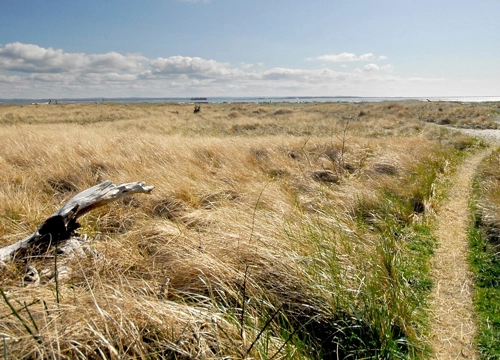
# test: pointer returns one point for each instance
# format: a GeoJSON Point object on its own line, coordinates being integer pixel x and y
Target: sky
{"type": "Point", "coordinates": [183, 48]}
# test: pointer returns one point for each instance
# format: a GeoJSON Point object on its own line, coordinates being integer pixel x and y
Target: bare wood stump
{"type": "Point", "coordinates": [62, 224]}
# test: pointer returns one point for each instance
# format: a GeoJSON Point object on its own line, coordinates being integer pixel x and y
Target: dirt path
{"type": "Point", "coordinates": [453, 327]}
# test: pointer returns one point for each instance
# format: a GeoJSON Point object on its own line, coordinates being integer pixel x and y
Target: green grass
{"type": "Point", "coordinates": [484, 257]}
{"type": "Point", "coordinates": [377, 307]}
{"type": "Point", "coordinates": [373, 275]}
{"type": "Point", "coordinates": [485, 263]}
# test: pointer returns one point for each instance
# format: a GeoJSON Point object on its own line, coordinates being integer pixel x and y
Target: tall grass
{"type": "Point", "coordinates": [271, 233]}
{"type": "Point", "coordinates": [484, 256]}
{"type": "Point", "coordinates": [259, 119]}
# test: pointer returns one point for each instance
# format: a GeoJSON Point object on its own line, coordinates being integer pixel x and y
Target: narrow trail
{"type": "Point", "coordinates": [453, 327]}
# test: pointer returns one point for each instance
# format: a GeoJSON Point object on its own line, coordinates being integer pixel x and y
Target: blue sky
{"type": "Point", "coordinates": [163, 48]}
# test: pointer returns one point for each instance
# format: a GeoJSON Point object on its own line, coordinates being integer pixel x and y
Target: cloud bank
{"type": "Point", "coordinates": [31, 71]}
{"type": "Point", "coordinates": [348, 57]}
{"type": "Point", "coordinates": [30, 58]}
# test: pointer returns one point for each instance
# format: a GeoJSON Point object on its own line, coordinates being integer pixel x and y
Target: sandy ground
{"type": "Point", "coordinates": [453, 327]}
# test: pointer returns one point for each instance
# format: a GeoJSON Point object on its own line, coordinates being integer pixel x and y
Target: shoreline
{"type": "Point", "coordinates": [251, 99]}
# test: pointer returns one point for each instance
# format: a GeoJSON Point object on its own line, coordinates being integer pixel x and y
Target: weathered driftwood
{"type": "Point", "coordinates": [60, 225]}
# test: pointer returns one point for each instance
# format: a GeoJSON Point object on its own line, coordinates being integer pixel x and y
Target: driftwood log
{"type": "Point", "coordinates": [62, 224]}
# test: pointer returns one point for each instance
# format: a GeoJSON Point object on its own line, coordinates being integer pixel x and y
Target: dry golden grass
{"type": "Point", "coordinates": [257, 119]}
{"type": "Point", "coordinates": [261, 215]}
{"type": "Point", "coordinates": [487, 201]}
{"type": "Point", "coordinates": [484, 240]}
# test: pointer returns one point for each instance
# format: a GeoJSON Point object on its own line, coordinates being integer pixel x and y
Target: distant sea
{"type": "Point", "coordinates": [219, 100]}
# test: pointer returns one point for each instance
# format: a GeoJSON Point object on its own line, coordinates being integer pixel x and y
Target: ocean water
{"type": "Point", "coordinates": [264, 99]}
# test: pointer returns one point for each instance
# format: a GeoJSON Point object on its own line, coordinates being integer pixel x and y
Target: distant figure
{"type": "Point", "coordinates": [197, 109]}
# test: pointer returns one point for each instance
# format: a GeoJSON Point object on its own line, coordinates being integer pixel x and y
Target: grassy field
{"type": "Point", "coordinates": [275, 231]}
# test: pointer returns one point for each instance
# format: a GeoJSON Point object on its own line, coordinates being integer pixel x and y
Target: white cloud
{"type": "Point", "coordinates": [9, 79]}
{"type": "Point", "coordinates": [366, 57]}
{"type": "Point", "coordinates": [371, 68]}
{"type": "Point", "coordinates": [115, 62]}
{"type": "Point", "coordinates": [387, 68]}
{"type": "Point", "coordinates": [31, 71]}
{"type": "Point", "coordinates": [31, 58]}
{"type": "Point", "coordinates": [189, 66]}
{"type": "Point", "coordinates": [284, 73]}
{"type": "Point", "coordinates": [316, 76]}
{"type": "Point", "coordinates": [346, 57]}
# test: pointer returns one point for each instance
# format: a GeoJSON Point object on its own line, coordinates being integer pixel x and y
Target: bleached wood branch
{"type": "Point", "coordinates": [60, 225]}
